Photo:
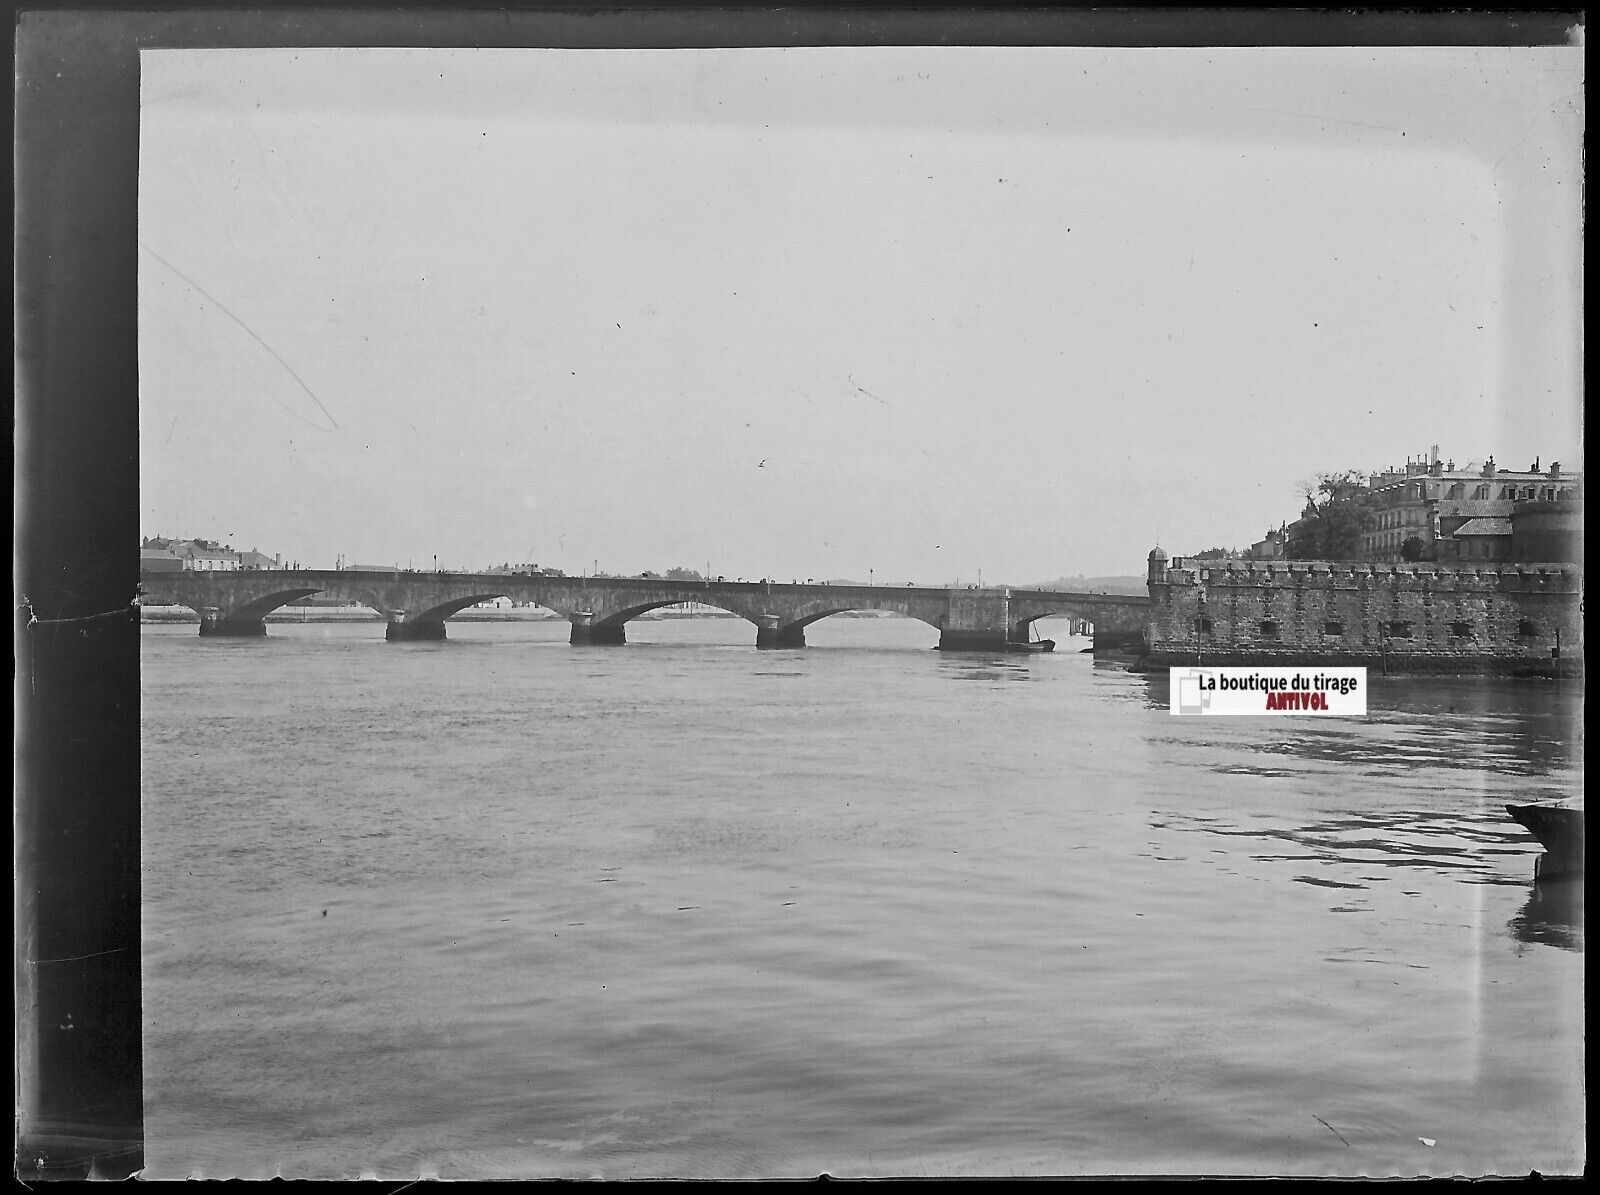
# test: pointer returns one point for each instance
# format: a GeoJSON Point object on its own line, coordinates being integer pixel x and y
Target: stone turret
{"type": "Point", "coordinates": [1158, 567]}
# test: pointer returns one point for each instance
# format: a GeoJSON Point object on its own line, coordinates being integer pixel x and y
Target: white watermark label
{"type": "Point", "coordinates": [1328, 692]}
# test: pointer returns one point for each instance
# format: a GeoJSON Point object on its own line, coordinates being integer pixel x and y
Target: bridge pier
{"type": "Point", "coordinates": [586, 632]}
{"type": "Point", "coordinates": [1121, 641]}
{"type": "Point", "coordinates": [399, 630]}
{"type": "Point", "coordinates": [957, 640]}
{"type": "Point", "coordinates": [769, 635]}
{"type": "Point", "coordinates": [977, 620]}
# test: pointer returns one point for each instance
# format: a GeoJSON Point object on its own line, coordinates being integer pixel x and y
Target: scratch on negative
{"type": "Point", "coordinates": [35, 620]}
{"type": "Point", "coordinates": [1330, 1129]}
{"type": "Point", "coordinates": [220, 306]}
{"type": "Point", "coordinates": [39, 962]}
{"type": "Point", "coordinates": [868, 393]}
{"type": "Point", "coordinates": [104, 616]}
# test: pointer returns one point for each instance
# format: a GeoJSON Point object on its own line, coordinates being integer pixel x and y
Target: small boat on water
{"type": "Point", "coordinates": [1033, 645]}
{"type": "Point", "coordinates": [1559, 829]}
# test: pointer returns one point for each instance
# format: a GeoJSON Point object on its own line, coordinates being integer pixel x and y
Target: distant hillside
{"type": "Point", "coordinates": [1092, 585]}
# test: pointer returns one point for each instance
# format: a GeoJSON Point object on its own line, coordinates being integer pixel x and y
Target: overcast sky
{"type": "Point", "coordinates": [810, 312]}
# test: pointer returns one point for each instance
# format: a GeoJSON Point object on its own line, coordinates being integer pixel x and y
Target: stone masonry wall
{"type": "Point", "coordinates": [1513, 619]}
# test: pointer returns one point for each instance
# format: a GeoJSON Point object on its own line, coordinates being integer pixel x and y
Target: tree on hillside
{"type": "Point", "coordinates": [1218, 554]}
{"type": "Point", "coordinates": [683, 574]}
{"type": "Point", "coordinates": [1338, 512]}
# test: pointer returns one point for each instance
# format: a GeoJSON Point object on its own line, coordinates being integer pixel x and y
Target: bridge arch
{"type": "Point", "coordinates": [259, 608]}
{"type": "Point", "coordinates": [775, 632]}
{"type": "Point", "coordinates": [818, 616]}
{"type": "Point", "coordinates": [454, 606]}
{"type": "Point", "coordinates": [428, 623]}
{"type": "Point", "coordinates": [244, 619]}
{"type": "Point", "coordinates": [1022, 623]}
{"type": "Point", "coordinates": [792, 634]}
{"type": "Point", "coordinates": [1117, 619]}
{"type": "Point", "coordinates": [619, 618]}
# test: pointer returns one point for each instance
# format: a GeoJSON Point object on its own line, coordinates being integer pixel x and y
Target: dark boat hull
{"type": "Point", "coordinates": [1559, 830]}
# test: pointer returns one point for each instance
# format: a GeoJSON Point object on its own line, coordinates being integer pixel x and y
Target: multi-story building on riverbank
{"type": "Point", "coordinates": [203, 555]}
{"type": "Point", "coordinates": [1466, 515]}
{"type": "Point", "coordinates": [1431, 511]}
{"type": "Point", "coordinates": [159, 560]}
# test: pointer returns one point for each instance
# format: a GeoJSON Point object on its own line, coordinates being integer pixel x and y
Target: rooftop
{"type": "Point", "coordinates": [1484, 527]}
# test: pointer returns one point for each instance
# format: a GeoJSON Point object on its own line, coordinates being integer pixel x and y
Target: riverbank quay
{"type": "Point", "coordinates": [1521, 620]}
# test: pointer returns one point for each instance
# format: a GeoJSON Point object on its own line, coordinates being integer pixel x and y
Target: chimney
{"type": "Point", "coordinates": [1555, 468]}
{"type": "Point", "coordinates": [1488, 467]}
{"type": "Point", "coordinates": [1436, 468]}
{"type": "Point", "coordinates": [1433, 456]}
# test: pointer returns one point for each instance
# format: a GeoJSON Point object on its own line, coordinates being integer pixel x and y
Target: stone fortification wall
{"type": "Point", "coordinates": [1511, 618]}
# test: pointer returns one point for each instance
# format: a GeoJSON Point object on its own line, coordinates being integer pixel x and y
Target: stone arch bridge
{"type": "Point", "coordinates": [417, 604]}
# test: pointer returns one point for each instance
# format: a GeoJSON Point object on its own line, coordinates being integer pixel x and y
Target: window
{"type": "Point", "coordinates": [1399, 630]}
{"type": "Point", "coordinates": [1461, 630]}
{"type": "Point", "coordinates": [1527, 629]}
{"type": "Point", "coordinates": [1202, 625]}
{"type": "Point", "coordinates": [1269, 629]}
{"type": "Point", "coordinates": [1333, 628]}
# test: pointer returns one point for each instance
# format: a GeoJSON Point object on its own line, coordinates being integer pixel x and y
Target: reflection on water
{"type": "Point", "coordinates": [1393, 838]}
{"type": "Point", "coordinates": [1553, 915]}
{"type": "Point", "coordinates": [957, 666]}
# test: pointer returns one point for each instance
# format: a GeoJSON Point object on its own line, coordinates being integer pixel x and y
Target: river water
{"type": "Point", "coordinates": [501, 907]}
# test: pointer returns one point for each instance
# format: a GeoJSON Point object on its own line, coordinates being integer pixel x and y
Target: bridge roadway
{"type": "Point", "coordinates": [416, 604]}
